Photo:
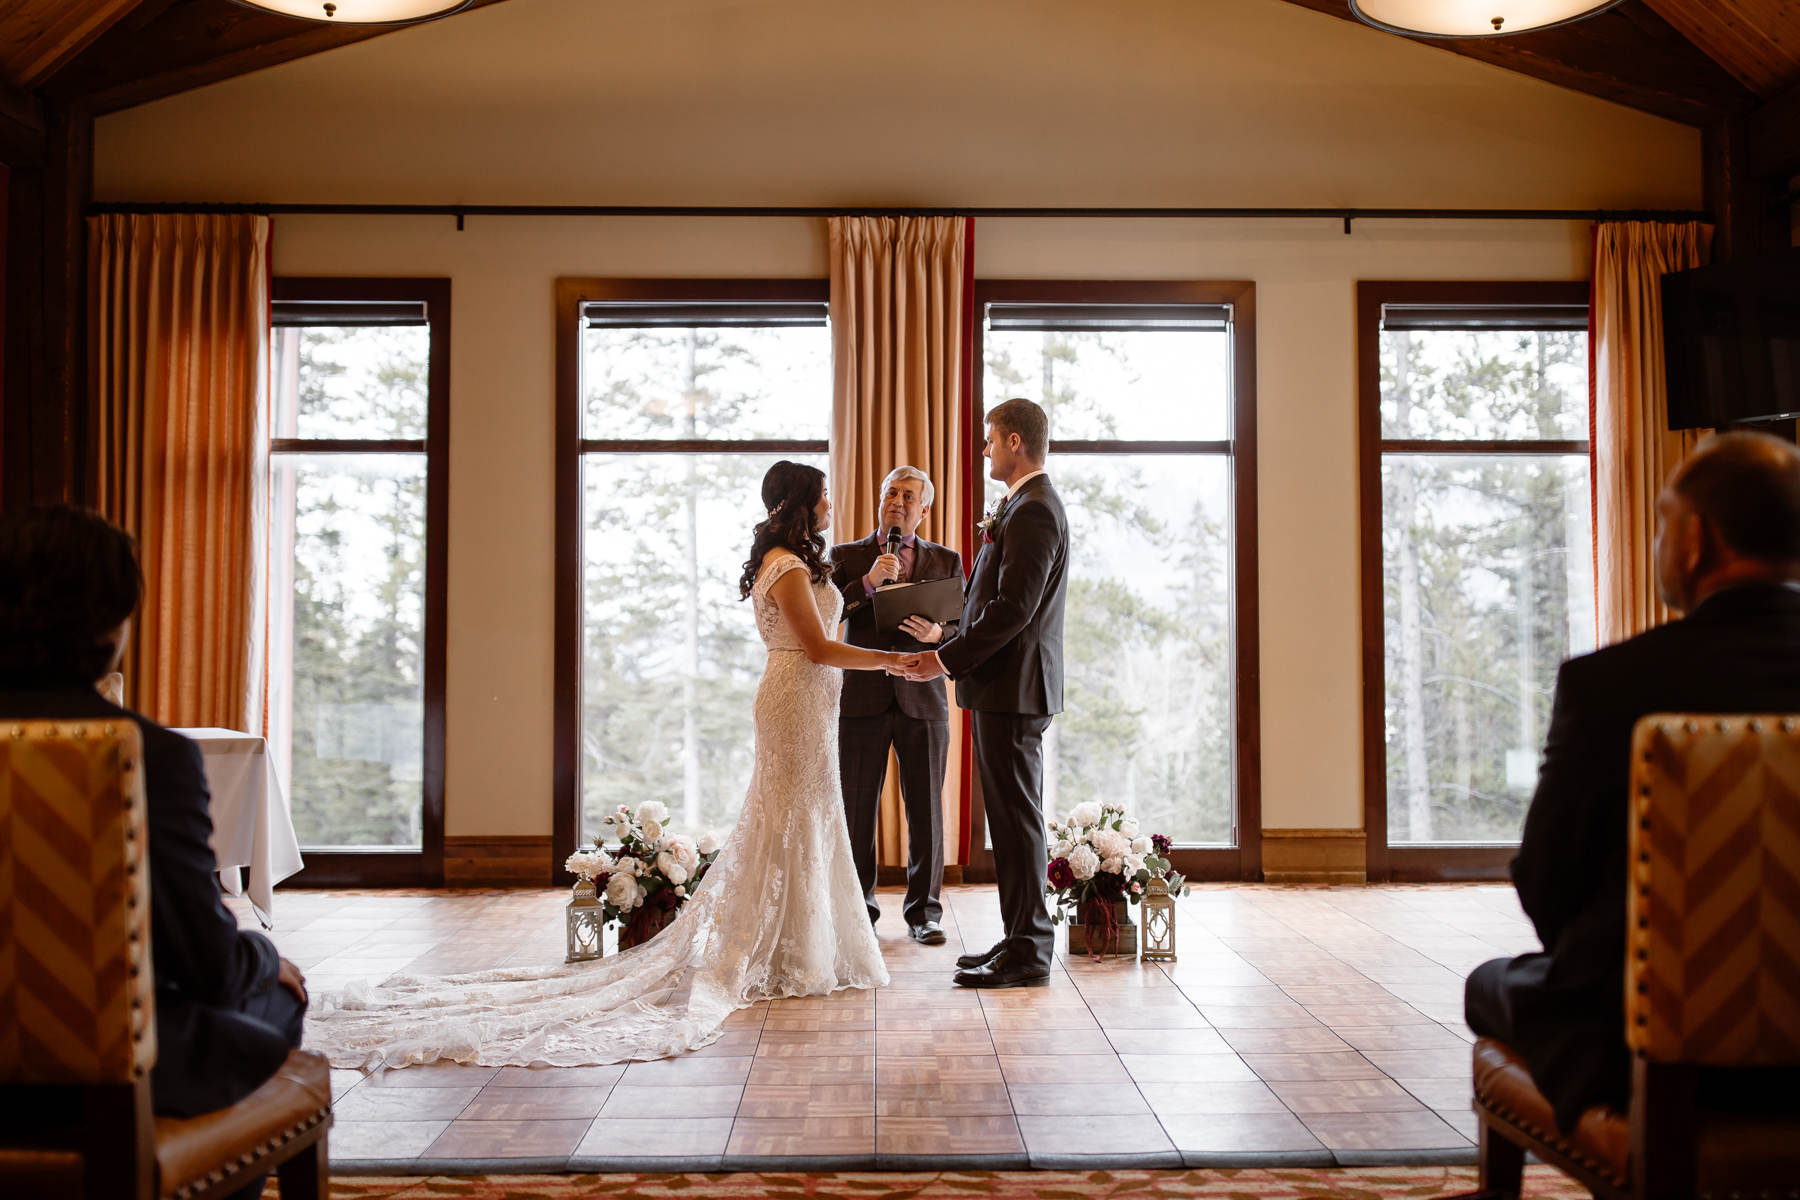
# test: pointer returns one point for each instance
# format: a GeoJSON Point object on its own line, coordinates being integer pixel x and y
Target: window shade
{"type": "Point", "coordinates": [1075, 318]}
{"type": "Point", "coordinates": [348, 312]}
{"type": "Point", "coordinates": [1476, 317]}
{"type": "Point", "coordinates": [688, 314]}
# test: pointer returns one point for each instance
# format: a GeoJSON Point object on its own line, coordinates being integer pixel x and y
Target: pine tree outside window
{"type": "Point", "coordinates": [1149, 389]}
{"type": "Point", "coordinates": [688, 392]}
{"type": "Point", "coordinates": [358, 431]}
{"type": "Point", "coordinates": [1475, 418]}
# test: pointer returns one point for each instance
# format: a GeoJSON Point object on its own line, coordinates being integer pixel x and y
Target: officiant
{"type": "Point", "coordinates": [879, 711]}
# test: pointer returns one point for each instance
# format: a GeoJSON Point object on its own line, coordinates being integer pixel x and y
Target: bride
{"type": "Point", "coordinates": [780, 913]}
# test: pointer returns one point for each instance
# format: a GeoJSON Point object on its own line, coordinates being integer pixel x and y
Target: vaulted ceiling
{"type": "Point", "coordinates": [1694, 61]}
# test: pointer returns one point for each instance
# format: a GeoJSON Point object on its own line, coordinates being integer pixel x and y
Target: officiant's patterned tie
{"type": "Point", "coordinates": [906, 564]}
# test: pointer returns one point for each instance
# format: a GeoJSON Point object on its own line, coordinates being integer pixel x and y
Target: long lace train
{"type": "Point", "coordinates": [780, 913]}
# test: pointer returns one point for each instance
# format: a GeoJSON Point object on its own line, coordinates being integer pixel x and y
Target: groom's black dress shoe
{"type": "Point", "coordinates": [928, 932]}
{"type": "Point", "coordinates": [966, 961]}
{"type": "Point", "coordinates": [1000, 973]}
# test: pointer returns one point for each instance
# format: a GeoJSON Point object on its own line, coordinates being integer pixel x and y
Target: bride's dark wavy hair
{"type": "Point", "coordinates": [790, 493]}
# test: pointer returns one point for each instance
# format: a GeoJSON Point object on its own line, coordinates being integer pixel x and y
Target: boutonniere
{"type": "Point", "coordinates": [990, 521]}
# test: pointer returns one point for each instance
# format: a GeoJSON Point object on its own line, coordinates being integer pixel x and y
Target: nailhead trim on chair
{"type": "Point", "coordinates": [214, 1178]}
{"type": "Point", "coordinates": [1554, 1139]}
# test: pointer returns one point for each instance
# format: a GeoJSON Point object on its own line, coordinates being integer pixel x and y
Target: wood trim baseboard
{"type": "Point", "coordinates": [494, 861]}
{"type": "Point", "coordinates": [1315, 856]}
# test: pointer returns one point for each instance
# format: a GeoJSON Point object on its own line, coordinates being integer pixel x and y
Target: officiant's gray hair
{"type": "Point", "coordinates": [898, 473]}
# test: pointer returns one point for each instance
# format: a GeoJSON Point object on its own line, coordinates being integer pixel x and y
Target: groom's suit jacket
{"type": "Point", "coordinates": [867, 693]}
{"type": "Point", "coordinates": [1009, 655]}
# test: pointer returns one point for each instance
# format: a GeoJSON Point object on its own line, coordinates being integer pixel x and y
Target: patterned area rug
{"type": "Point", "coordinates": [1367, 1183]}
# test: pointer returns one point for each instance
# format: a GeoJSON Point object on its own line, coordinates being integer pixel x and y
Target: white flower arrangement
{"type": "Point", "coordinates": [1097, 854]}
{"type": "Point", "coordinates": [641, 870]}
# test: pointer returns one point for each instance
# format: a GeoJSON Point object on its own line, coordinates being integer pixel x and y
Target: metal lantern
{"type": "Point", "coordinates": [1159, 922]}
{"type": "Point", "coordinates": [586, 918]}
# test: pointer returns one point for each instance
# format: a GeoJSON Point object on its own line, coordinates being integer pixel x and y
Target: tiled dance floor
{"type": "Point", "coordinates": [1301, 1026]}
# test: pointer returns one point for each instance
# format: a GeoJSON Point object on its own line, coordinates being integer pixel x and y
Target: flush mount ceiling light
{"type": "Point", "coordinates": [1472, 18]}
{"type": "Point", "coordinates": [360, 12]}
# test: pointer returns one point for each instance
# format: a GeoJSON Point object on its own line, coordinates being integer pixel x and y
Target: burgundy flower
{"type": "Point", "coordinates": [1061, 874]}
{"type": "Point", "coordinates": [1161, 845]}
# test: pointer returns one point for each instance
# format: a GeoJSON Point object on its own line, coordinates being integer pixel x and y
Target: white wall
{"type": "Point", "coordinates": [1008, 102]}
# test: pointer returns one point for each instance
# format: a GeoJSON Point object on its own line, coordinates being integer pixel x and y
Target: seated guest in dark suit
{"type": "Point", "coordinates": [1727, 556]}
{"type": "Point", "coordinates": [228, 1008]}
{"type": "Point", "coordinates": [878, 711]}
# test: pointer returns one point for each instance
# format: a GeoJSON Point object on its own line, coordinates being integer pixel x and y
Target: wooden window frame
{"type": "Point", "coordinates": [1437, 861]}
{"type": "Point", "coordinates": [571, 294]}
{"type": "Point", "coordinates": [1242, 861]}
{"type": "Point", "coordinates": [423, 867]}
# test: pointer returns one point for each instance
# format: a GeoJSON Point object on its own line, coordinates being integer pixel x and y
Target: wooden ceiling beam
{"type": "Point", "coordinates": [1628, 55]}
{"type": "Point", "coordinates": [21, 127]}
{"type": "Point", "coordinates": [192, 43]}
{"type": "Point", "coordinates": [1774, 150]}
{"type": "Point", "coordinates": [54, 34]}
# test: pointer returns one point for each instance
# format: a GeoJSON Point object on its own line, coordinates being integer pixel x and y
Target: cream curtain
{"type": "Point", "coordinates": [1632, 448]}
{"type": "Point", "coordinates": [899, 332]}
{"type": "Point", "coordinates": [179, 313]}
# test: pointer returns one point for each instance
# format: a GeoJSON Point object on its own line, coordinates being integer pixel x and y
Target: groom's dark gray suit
{"type": "Point", "coordinates": [1008, 667]}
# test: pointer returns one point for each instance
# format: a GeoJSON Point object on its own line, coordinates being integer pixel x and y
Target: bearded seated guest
{"type": "Point", "coordinates": [1728, 558]}
{"type": "Point", "coordinates": [228, 1008]}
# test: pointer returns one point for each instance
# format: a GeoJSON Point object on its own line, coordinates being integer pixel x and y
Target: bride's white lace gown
{"type": "Point", "coordinates": [779, 914]}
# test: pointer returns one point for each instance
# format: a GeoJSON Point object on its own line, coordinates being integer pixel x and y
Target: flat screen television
{"type": "Point", "coordinates": [1731, 341]}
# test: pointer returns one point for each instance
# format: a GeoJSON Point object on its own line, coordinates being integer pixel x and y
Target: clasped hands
{"type": "Point", "coordinates": [920, 668]}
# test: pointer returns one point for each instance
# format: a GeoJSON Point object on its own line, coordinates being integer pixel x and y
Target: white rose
{"type": "Point", "coordinates": [1133, 864]}
{"type": "Point", "coordinates": [627, 866]}
{"type": "Point", "coordinates": [652, 812]}
{"type": "Point", "coordinates": [621, 891]}
{"type": "Point", "coordinates": [1061, 850]}
{"type": "Point", "coordinates": [1140, 845]}
{"type": "Point", "coordinates": [1129, 827]}
{"type": "Point", "coordinates": [682, 847]}
{"type": "Point", "coordinates": [672, 870]}
{"type": "Point", "coordinates": [1112, 806]}
{"type": "Point", "coordinates": [1083, 862]}
{"type": "Point", "coordinates": [1086, 814]}
{"type": "Point", "coordinates": [708, 843]}
{"type": "Point", "coordinates": [1112, 866]}
{"type": "Point", "coordinates": [651, 830]}
{"type": "Point", "coordinates": [680, 891]}
{"type": "Point", "coordinates": [1110, 843]}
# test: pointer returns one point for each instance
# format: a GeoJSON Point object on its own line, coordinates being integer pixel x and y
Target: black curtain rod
{"type": "Point", "coordinates": [1346, 215]}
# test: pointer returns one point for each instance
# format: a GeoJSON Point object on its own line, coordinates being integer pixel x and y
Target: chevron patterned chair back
{"type": "Point", "coordinates": [1712, 996]}
{"type": "Point", "coordinates": [77, 998]}
{"type": "Point", "coordinates": [76, 989]}
{"type": "Point", "coordinates": [1714, 906]}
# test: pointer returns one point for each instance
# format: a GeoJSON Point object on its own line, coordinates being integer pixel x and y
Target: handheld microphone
{"type": "Point", "coordinates": [893, 539]}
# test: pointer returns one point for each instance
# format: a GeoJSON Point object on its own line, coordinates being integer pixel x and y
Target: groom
{"type": "Point", "coordinates": [1007, 664]}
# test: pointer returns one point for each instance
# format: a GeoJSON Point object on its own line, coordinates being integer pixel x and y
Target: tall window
{"type": "Point", "coordinates": [1149, 392]}
{"type": "Point", "coordinates": [685, 394]}
{"type": "Point", "coordinates": [1476, 411]}
{"type": "Point", "coordinates": [358, 431]}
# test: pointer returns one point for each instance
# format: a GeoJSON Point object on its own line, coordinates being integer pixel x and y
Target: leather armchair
{"type": "Point", "coordinates": [77, 1020]}
{"type": "Point", "coordinates": [1712, 999]}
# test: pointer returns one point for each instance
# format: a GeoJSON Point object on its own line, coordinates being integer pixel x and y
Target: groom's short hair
{"type": "Point", "coordinates": [1026, 419]}
{"type": "Point", "coordinates": [898, 473]}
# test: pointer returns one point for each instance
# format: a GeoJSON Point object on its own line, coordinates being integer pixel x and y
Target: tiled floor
{"type": "Point", "coordinates": [1300, 1025]}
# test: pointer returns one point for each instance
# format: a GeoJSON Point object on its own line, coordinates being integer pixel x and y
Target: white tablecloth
{"type": "Point", "coordinates": [252, 825]}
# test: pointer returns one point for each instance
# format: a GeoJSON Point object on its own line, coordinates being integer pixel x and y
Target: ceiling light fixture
{"type": "Point", "coordinates": [360, 12]}
{"type": "Point", "coordinates": [1472, 18]}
